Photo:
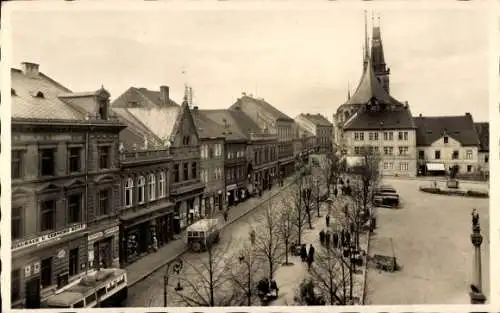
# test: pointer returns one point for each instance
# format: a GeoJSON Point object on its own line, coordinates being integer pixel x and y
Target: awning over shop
{"type": "Point", "coordinates": [354, 161]}
{"type": "Point", "coordinates": [435, 167]}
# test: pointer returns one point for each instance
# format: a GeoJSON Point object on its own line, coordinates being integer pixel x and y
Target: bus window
{"type": "Point", "coordinates": [79, 304]}
{"type": "Point", "coordinates": [101, 292]}
{"type": "Point", "coordinates": [90, 298]}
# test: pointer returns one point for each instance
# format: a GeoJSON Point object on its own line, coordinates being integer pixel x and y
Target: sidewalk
{"type": "Point", "coordinates": [435, 178]}
{"type": "Point", "coordinates": [290, 277]}
{"type": "Point", "coordinates": [142, 268]}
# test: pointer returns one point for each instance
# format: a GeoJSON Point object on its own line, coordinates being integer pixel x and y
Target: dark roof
{"type": "Point", "coordinates": [377, 51]}
{"type": "Point", "coordinates": [397, 117]}
{"type": "Point", "coordinates": [251, 106]}
{"type": "Point", "coordinates": [235, 123]}
{"type": "Point", "coordinates": [369, 88]}
{"type": "Point", "coordinates": [208, 129]}
{"type": "Point", "coordinates": [143, 96]}
{"type": "Point", "coordinates": [483, 132]}
{"type": "Point", "coordinates": [317, 119]}
{"type": "Point", "coordinates": [460, 128]}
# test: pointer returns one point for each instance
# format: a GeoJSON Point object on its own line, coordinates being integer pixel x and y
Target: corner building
{"type": "Point", "coordinates": [65, 185]}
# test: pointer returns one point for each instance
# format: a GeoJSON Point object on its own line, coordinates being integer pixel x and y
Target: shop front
{"type": "Point", "coordinates": [139, 230]}
{"type": "Point", "coordinates": [45, 264]}
{"type": "Point", "coordinates": [103, 247]}
{"type": "Point", "coordinates": [232, 194]}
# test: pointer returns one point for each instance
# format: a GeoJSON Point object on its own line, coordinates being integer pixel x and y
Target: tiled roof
{"type": "Point", "coordinates": [317, 119]}
{"type": "Point", "coordinates": [398, 117]}
{"type": "Point", "coordinates": [369, 88]}
{"type": "Point", "coordinates": [251, 106]}
{"type": "Point", "coordinates": [460, 128]}
{"type": "Point", "coordinates": [142, 97]}
{"type": "Point", "coordinates": [48, 105]}
{"type": "Point", "coordinates": [483, 132]}
{"type": "Point", "coordinates": [160, 121]}
{"type": "Point", "coordinates": [136, 131]}
{"type": "Point", "coordinates": [210, 129]}
{"type": "Point", "coordinates": [301, 131]}
{"type": "Point", "coordinates": [234, 121]}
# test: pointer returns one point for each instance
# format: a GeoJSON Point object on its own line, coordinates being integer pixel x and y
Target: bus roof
{"type": "Point", "coordinates": [204, 224]}
{"type": "Point", "coordinates": [85, 285]}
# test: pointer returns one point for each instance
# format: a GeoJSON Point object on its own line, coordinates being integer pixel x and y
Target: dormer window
{"type": "Point", "coordinates": [13, 92]}
{"type": "Point", "coordinates": [445, 138]}
{"type": "Point", "coordinates": [103, 109]}
{"type": "Point", "coordinates": [40, 95]}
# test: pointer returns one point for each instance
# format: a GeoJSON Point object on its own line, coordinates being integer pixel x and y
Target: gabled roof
{"type": "Point", "coordinates": [397, 117]}
{"type": "Point", "coordinates": [483, 132]}
{"type": "Point", "coordinates": [461, 128]}
{"type": "Point", "coordinates": [208, 129]}
{"type": "Point", "coordinates": [149, 98]}
{"type": "Point", "coordinates": [234, 121]}
{"type": "Point", "coordinates": [369, 88]}
{"type": "Point", "coordinates": [317, 119]}
{"type": "Point", "coordinates": [251, 106]}
{"type": "Point", "coordinates": [37, 97]}
{"type": "Point", "coordinates": [136, 132]}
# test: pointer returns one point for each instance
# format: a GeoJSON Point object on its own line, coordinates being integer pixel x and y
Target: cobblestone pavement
{"type": "Point", "coordinates": [431, 239]}
{"type": "Point", "coordinates": [149, 292]}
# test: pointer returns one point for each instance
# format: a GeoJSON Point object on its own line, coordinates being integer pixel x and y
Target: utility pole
{"type": "Point", "coordinates": [476, 293]}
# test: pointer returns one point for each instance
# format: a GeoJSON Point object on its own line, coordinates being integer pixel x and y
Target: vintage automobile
{"type": "Point", "coordinates": [385, 195]}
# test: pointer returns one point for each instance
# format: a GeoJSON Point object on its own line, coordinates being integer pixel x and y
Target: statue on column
{"type": "Point", "coordinates": [475, 221]}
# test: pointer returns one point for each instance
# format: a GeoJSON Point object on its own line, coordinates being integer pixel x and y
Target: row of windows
{"type": "Point", "coordinates": [187, 169]}
{"type": "Point", "coordinates": [209, 151]}
{"type": "Point", "coordinates": [388, 136]}
{"type": "Point", "coordinates": [402, 150]}
{"type": "Point", "coordinates": [455, 155]}
{"type": "Point", "coordinates": [235, 173]}
{"type": "Point", "coordinates": [284, 132]}
{"type": "Point", "coordinates": [48, 212]}
{"type": "Point", "coordinates": [264, 155]}
{"type": "Point", "coordinates": [236, 154]}
{"type": "Point", "coordinates": [402, 166]}
{"type": "Point", "coordinates": [206, 175]}
{"type": "Point", "coordinates": [47, 161]}
{"type": "Point", "coordinates": [152, 189]}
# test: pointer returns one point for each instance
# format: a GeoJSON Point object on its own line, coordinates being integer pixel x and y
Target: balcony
{"type": "Point", "coordinates": [144, 155]}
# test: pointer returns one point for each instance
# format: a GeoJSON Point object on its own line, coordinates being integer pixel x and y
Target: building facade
{"type": "Point", "coordinates": [65, 185]}
{"type": "Point", "coordinates": [322, 129]}
{"type": "Point", "coordinates": [159, 119]}
{"type": "Point", "coordinates": [212, 152]}
{"type": "Point", "coordinates": [446, 144]}
{"type": "Point", "coordinates": [483, 132]}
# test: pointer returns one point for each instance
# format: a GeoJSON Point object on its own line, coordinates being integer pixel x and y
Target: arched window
{"type": "Point", "coordinates": [129, 191]}
{"type": "Point", "coordinates": [140, 189]}
{"type": "Point", "coordinates": [151, 187]}
{"type": "Point", "coordinates": [161, 185]}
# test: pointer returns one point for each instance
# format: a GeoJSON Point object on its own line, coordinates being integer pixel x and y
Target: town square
{"type": "Point", "coordinates": [172, 158]}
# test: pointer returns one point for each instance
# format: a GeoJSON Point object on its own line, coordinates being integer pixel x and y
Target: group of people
{"type": "Point", "coordinates": [307, 256]}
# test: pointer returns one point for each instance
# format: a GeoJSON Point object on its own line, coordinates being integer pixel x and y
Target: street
{"type": "Point", "coordinates": [149, 292]}
{"type": "Point", "coordinates": [431, 238]}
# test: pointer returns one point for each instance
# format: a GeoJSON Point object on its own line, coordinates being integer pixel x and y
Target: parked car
{"type": "Point", "coordinates": [386, 195]}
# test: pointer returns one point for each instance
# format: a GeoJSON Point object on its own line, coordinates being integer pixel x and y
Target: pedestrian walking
{"type": "Point", "coordinates": [225, 216]}
{"type": "Point", "coordinates": [310, 257]}
{"type": "Point", "coordinates": [322, 237]}
{"type": "Point", "coordinates": [328, 236]}
{"type": "Point", "coordinates": [303, 253]}
{"type": "Point", "coordinates": [335, 192]}
{"type": "Point", "coordinates": [327, 220]}
{"type": "Point", "coordinates": [347, 239]}
{"type": "Point", "coordinates": [335, 240]}
{"type": "Point", "coordinates": [155, 243]}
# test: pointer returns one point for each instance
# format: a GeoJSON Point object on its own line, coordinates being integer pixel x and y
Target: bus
{"type": "Point", "coordinates": [106, 287]}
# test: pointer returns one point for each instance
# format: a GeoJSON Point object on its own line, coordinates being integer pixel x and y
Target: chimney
{"type": "Point", "coordinates": [30, 69]}
{"type": "Point", "coordinates": [164, 95]}
{"type": "Point", "coordinates": [420, 115]}
{"type": "Point", "coordinates": [467, 114]}
{"type": "Point", "coordinates": [195, 108]}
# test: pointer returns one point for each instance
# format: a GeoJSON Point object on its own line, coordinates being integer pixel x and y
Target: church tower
{"type": "Point", "coordinates": [377, 57]}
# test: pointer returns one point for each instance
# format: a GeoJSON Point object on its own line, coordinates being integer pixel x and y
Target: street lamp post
{"type": "Point", "coordinates": [176, 267]}
{"type": "Point", "coordinates": [248, 264]}
{"type": "Point", "coordinates": [476, 293]}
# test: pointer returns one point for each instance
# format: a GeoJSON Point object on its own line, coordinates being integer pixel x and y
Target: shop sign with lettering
{"type": "Point", "coordinates": [47, 237]}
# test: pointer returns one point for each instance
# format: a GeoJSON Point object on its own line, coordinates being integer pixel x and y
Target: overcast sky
{"type": "Point", "coordinates": [299, 61]}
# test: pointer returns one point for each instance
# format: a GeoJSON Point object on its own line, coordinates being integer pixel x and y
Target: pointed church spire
{"type": "Point", "coordinates": [348, 91]}
{"type": "Point", "coordinates": [365, 47]}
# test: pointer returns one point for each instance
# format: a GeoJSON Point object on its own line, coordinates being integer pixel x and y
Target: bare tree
{"type": "Point", "coordinates": [331, 169]}
{"type": "Point", "coordinates": [368, 172]}
{"type": "Point", "coordinates": [332, 276]}
{"type": "Point", "coordinates": [268, 244]}
{"type": "Point", "coordinates": [206, 279]}
{"type": "Point", "coordinates": [293, 202]}
{"type": "Point", "coordinates": [286, 228]}
{"type": "Point", "coordinates": [244, 274]}
{"type": "Point", "coordinates": [306, 193]}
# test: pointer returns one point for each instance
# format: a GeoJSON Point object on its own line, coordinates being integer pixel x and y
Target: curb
{"type": "Point", "coordinates": [182, 251]}
{"type": "Point", "coordinates": [430, 178]}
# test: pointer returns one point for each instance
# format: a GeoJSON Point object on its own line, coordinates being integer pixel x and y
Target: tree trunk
{"type": "Point", "coordinates": [309, 218]}
{"type": "Point", "coordinates": [286, 251]}
{"type": "Point", "coordinates": [211, 277]}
